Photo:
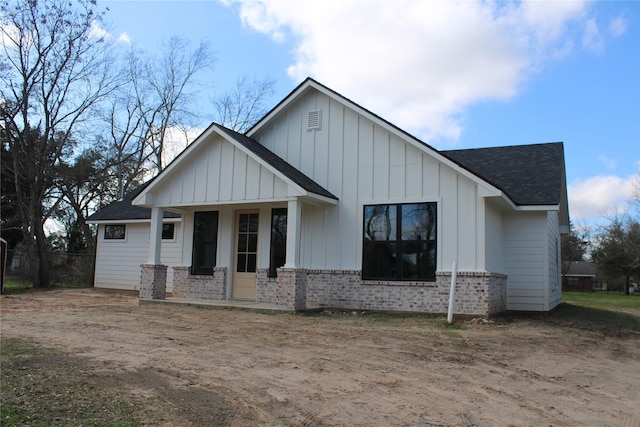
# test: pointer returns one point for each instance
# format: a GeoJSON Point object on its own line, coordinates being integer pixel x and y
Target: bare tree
{"type": "Point", "coordinates": [157, 100]}
{"type": "Point", "coordinates": [241, 107]}
{"type": "Point", "coordinates": [574, 246]}
{"type": "Point", "coordinates": [54, 71]}
{"type": "Point", "coordinates": [164, 94]}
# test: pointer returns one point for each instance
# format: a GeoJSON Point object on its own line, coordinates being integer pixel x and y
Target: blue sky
{"type": "Point", "coordinates": [456, 74]}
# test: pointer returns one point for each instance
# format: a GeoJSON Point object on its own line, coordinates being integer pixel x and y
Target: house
{"type": "Point", "coordinates": [579, 276]}
{"type": "Point", "coordinates": [323, 204]}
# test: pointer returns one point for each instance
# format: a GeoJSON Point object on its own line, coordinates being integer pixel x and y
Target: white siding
{"type": "Point", "coordinates": [553, 244]}
{"type": "Point", "coordinates": [219, 172]}
{"type": "Point", "coordinates": [494, 253]}
{"type": "Point", "coordinates": [526, 260]}
{"type": "Point", "coordinates": [118, 261]}
{"type": "Point", "coordinates": [363, 163]}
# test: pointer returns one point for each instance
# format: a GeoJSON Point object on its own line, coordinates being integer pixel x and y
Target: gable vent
{"type": "Point", "coordinates": [314, 120]}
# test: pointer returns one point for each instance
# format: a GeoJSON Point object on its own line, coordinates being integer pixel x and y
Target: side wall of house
{"type": "Point", "coordinates": [118, 261]}
{"type": "Point", "coordinates": [494, 251]}
{"type": "Point", "coordinates": [363, 163]}
{"type": "Point", "coordinates": [553, 244]}
{"type": "Point", "coordinates": [526, 260]}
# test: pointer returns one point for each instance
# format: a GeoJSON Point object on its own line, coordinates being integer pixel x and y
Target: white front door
{"type": "Point", "coordinates": [246, 255]}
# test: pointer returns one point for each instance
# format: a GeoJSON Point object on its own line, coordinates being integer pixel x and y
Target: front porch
{"type": "Point", "coordinates": [252, 306]}
{"type": "Point", "coordinates": [286, 292]}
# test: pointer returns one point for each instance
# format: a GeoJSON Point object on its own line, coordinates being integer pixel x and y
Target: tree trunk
{"type": "Point", "coordinates": [43, 277]}
{"type": "Point", "coordinates": [627, 284]}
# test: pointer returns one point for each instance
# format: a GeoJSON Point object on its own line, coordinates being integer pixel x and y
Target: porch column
{"type": "Point", "coordinates": [153, 276]}
{"type": "Point", "coordinates": [294, 215]}
{"type": "Point", "coordinates": [155, 236]}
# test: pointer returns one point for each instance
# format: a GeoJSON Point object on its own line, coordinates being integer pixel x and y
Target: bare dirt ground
{"type": "Point", "coordinates": [341, 369]}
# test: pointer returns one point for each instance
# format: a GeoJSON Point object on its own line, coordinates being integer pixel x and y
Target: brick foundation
{"type": "Point", "coordinates": [153, 281]}
{"type": "Point", "coordinates": [204, 287]}
{"type": "Point", "coordinates": [477, 293]}
{"type": "Point", "coordinates": [266, 287]}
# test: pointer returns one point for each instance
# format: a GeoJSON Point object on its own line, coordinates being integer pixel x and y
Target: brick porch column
{"type": "Point", "coordinates": [153, 281]}
{"type": "Point", "coordinates": [291, 289]}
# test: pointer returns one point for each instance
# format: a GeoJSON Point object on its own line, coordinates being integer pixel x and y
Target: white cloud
{"type": "Point", "coordinates": [419, 64]}
{"type": "Point", "coordinates": [124, 38]}
{"type": "Point", "coordinates": [176, 140]}
{"type": "Point", "coordinates": [98, 32]}
{"type": "Point", "coordinates": [618, 26]}
{"type": "Point", "coordinates": [592, 40]}
{"type": "Point", "coordinates": [607, 162]}
{"type": "Point", "coordinates": [598, 195]}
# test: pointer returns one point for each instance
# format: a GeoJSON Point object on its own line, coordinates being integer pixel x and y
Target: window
{"type": "Point", "coordinates": [168, 230]}
{"type": "Point", "coordinates": [399, 242]}
{"type": "Point", "coordinates": [205, 242]}
{"type": "Point", "coordinates": [115, 232]}
{"type": "Point", "coordinates": [278, 254]}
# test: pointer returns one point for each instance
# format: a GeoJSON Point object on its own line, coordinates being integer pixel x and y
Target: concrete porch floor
{"type": "Point", "coordinates": [253, 306]}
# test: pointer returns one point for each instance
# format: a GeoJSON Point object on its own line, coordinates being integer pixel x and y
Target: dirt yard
{"type": "Point", "coordinates": [340, 369]}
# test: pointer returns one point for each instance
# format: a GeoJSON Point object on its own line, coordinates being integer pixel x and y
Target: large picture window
{"type": "Point", "coordinates": [399, 242]}
{"type": "Point", "coordinates": [278, 253]}
{"type": "Point", "coordinates": [205, 242]}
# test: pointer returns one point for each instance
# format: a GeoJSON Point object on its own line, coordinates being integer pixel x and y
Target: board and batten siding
{"type": "Point", "coordinates": [219, 172]}
{"type": "Point", "coordinates": [526, 260]}
{"type": "Point", "coordinates": [118, 261]}
{"type": "Point", "coordinates": [363, 163]}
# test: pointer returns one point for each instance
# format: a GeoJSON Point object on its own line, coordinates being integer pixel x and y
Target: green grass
{"type": "Point", "coordinates": [13, 287]}
{"type": "Point", "coordinates": [16, 287]}
{"type": "Point", "coordinates": [606, 301]}
{"type": "Point", "coordinates": [610, 314]}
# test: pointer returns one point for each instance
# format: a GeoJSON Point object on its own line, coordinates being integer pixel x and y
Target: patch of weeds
{"type": "Point", "coordinates": [15, 287]}
{"type": "Point", "coordinates": [46, 387]}
{"type": "Point", "coordinates": [442, 322]}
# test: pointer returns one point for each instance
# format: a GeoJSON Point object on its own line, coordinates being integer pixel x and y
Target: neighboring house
{"type": "Point", "coordinates": [323, 204]}
{"type": "Point", "coordinates": [579, 276]}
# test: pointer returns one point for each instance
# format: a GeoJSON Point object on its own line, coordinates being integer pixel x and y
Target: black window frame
{"type": "Point", "coordinates": [389, 258]}
{"type": "Point", "coordinates": [278, 245]}
{"type": "Point", "coordinates": [110, 232]}
{"type": "Point", "coordinates": [168, 231]}
{"type": "Point", "coordinates": [202, 264]}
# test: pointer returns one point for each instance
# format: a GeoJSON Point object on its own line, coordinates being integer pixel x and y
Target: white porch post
{"type": "Point", "coordinates": [155, 236]}
{"type": "Point", "coordinates": [153, 275]}
{"type": "Point", "coordinates": [291, 289]}
{"type": "Point", "coordinates": [294, 215]}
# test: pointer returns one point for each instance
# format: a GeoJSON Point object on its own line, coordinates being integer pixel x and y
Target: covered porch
{"type": "Point", "coordinates": [242, 209]}
{"type": "Point", "coordinates": [247, 254]}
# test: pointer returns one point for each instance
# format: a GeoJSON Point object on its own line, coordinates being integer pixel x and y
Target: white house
{"type": "Point", "coordinates": [323, 204]}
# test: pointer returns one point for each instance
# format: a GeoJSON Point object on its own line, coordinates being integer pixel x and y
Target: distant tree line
{"type": "Point", "coordinates": [83, 120]}
{"type": "Point", "coordinates": [614, 247]}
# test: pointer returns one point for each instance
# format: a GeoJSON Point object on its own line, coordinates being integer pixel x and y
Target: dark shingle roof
{"type": "Point", "coordinates": [527, 174]}
{"type": "Point", "coordinates": [581, 268]}
{"type": "Point", "coordinates": [280, 164]}
{"type": "Point", "coordinates": [124, 210]}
